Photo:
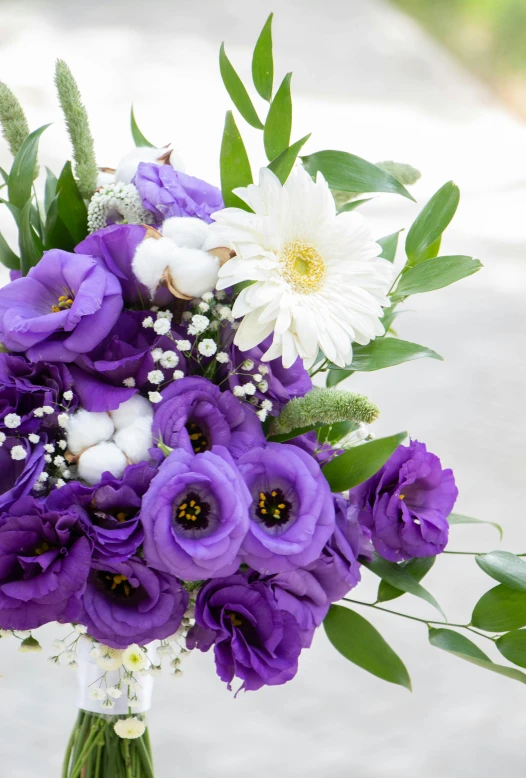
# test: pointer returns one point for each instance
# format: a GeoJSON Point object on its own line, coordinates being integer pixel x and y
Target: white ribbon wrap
{"type": "Point", "coordinates": [88, 675]}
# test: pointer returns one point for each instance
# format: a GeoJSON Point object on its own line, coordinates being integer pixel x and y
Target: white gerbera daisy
{"type": "Point", "coordinates": [318, 280]}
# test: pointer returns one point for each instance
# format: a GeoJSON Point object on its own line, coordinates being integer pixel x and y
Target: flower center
{"type": "Point", "coordinates": [302, 266]}
{"type": "Point", "coordinates": [42, 548]}
{"type": "Point", "coordinates": [273, 509]}
{"type": "Point", "coordinates": [116, 583]}
{"type": "Point", "coordinates": [192, 513]}
{"type": "Point", "coordinates": [197, 437]}
{"type": "Point", "coordinates": [235, 618]}
{"type": "Point", "coordinates": [64, 302]}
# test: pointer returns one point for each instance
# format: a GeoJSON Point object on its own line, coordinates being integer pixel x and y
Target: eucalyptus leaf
{"type": "Point", "coordinates": [459, 645]}
{"type": "Point", "coordinates": [512, 646]}
{"type": "Point", "coordinates": [435, 273]}
{"type": "Point", "coordinates": [386, 352]}
{"type": "Point", "coordinates": [138, 137]}
{"type": "Point", "coordinates": [8, 256]}
{"type": "Point", "coordinates": [234, 164]}
{"type": "Point", "coordinates": [360, 462]}
{"type": "Point", "coordinates": [23, 169]}
{"type": "Point", "coordinates": [278, 126]}
{"type": "Point", "coordinates": [417, 569]}
{"type": "Point", "coordinates": [399, 578]}
{"type": "Point", "coordinates": [432, 221]}
{"type": "Point", "coordinates": [361, 643]}
{"type": "Point", "coordinates": [238, 93]}
{"type": "Point", "coordinates": [500, 610]}
{"type": "Point", "coordinates": [349, 173]}
{"type": "Point", "coordinates": [31, 247]}
{"type": "Point", "coordinates": [263, 62]}
{"type": "Point", "coordinates": [284, 162]}
{"type": "Point", "coordinates": [504, 567]}
{"type": "Point", "coordinates": [389, 245]}
{"type": "Point", "coordinates": [457, 518]}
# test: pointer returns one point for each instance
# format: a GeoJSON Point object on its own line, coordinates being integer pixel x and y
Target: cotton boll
{"type": "Point", "coordinates": [106, 176]}
{"type": "Point", "coordinates": [176, 161]}
{"type": "Point", "coordinates": [151, 259]}
{"type": "Point", "coordinates": [186, 231]}
{"type": "Point", "coordinates": [136, 439]}
{"type": "Point", "coordinates": [193, 272]}
{"type": "Point", "coordinates": [98, 459]}
{"type": "Point", "coordinates": [128, 412]}
{"type": "Point", "coordinates": [86, 428]}
{"type": "Point", "coordinates": [127, 167]}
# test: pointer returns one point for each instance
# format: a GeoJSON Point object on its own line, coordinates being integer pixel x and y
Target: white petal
{"type": "Point", "coordinates": [86, 429]}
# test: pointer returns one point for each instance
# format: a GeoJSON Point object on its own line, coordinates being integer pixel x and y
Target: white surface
{"type": "Point", "coordinates": [366, 80]}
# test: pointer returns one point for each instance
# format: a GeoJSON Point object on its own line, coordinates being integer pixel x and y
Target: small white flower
{"type": "Point", "coordinates": [66, 474]}
{"type": "Point", "coordinates": [97, 694]}
{"type": "Point", "coordinates": [147, 322]}
{"type": "Point", "coordinates": [129, 728]}
{"type": "Point", "coordinates": [262, 414]}
{"type": "Point", "coordinates": [154, 308]}
{"type": "Point", "coordinates": [187, 315]}
{"type": "Point", "coordinates": [155, 397]}
{"type": "Point", "coordinates": [38, 487]}
{"type": "Point", "coordinates": [257, 377]}
{"type": "Point", "coordinates": [2, 438]}
{"type": "Point", "coordinates": [178, 374]}
{"type": "Point", "coordinates": [177, 674]}
{"type": "Point", "coordinates": [224, 313]}
{"type": "Point", "coordinates": [199, 324]}
{"type": "Point", "coordinates": [239, 391]}
{"type": "Point", "coordinates": [134, 703]}
{"type": "Point", "coordinates": [38, 412]}
{"type": "Point", "coordinates": [207, 347]}
{"type": "Point", "coordinates": [162, 326]}
{"type": "Point", "coordinates": [30, 645]}
{"type": "Point", "coordinates": [129, 382]}
{"type": "Point", "coordinates": [68, 396]}
{"type": "Point", "coordinates": [134, 658]}
{"type": "Point", "coordinates": [264, 369]}
{"type": "Point", "coordinates": [23, 633]}
{"type": "Point", "coordinates": [80, 629]}
{"type": "Point", "coordinates": [59, 461]}
{"type": "Point", "coordinates": [183, 345]}
{"type": "Point", "coordinates": [62, 419]}
{"type": "Point", "coordinates": [114, 692]}
{"type": "Point", "coordinates": [247, 365]}
{"type": "Point", "coordinates": [12, 421]}
{"type": "Point", "coordinates": [60, 483]}
{"type": "Point", "coordinates": [48, 409]}
{"type": "Point", "coordinates": [249, 388]}
{"type": "Point", "coordinates": [48, 458]}
{"type": "Point", "coordinates": [49, 448]}
{"type": "Point", "coordinates": [5, 633]}
{"type": "Point", "coordinates": [109, 704]}
{"type": "Point", "coordinates": [59, 645]}
{"type": "Point", "coordinates": [155, 671]}
{"type": "Point", "coordinates": [169, 360]}
{"type": "Point", "coordinates": [164, 651]}
{"type": "Point", "coordinates": [157, 354]}
{"type": "Point", "coordinates": [156, 376]}
{"type": "Point", "coordinates": [214, 325]}
{"type": "Point", "coordinates": [266, 405]}
{"type": "Point", "coordinates": [207, 297]}
{"type": "Point", "coordinates": [108, 658]}
{"type": "Point", "coordinates": [67, 657]}
{"type": "Point", "coordinates": [33, 438]}
{"type": "Point", "coordinates": [222, 357]}
{"type": "Point", "coordinates": [165, 315]}
{"type": "Point", "coordinates": [62, 444]}
{"type": "Point", "coordinates": [203, 307]}
{"type": "Point", "coordinates": [18, 453]}
{"type": "Point", "coordinates": [263, 386]}
{"type": "Point", "coordinates": [43, 476]}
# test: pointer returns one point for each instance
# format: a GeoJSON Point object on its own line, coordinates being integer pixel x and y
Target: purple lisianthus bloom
{"type": "Point", "coordinates": [301, 594]}
{"type": "Point", "coordinates": [338, 568]}
{"type": "Point", "coordinates": [125, 353]}
{"type": "Point", "coordinates": [253, 638]}
{"type": "Point", "coordinates": [167, 192]}
{"type": "Point", "coordinates": [111, 518]}
{"type": "Point", "coordinates": [292, 513]}
{"type": "Point", "coordinates": [64, 307]}
{"type": "Point", "coordinates": [25, 386]}
{"type": "Point", "coordinates": [18, 476]}
{"type": "Point", "coordinates": [195, 515]}
{"type": "Point", "coordinates": [322, 452]}
{"type": "Point", "coordinates": [44, 564]}
{"type": "Point", "coordinates": [195, 415]}
{"type": "Point", "coordinates": [406, 504]}
{"type": "Point", "coordinates": [128, 602]}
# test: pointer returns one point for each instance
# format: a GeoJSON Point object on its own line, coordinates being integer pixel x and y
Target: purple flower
{"type": "Point", "coordinates": [126, 352]}
{"type": "Point", "coordinates": [406, 504]}
{"type": "Point", "coordinates": [128, 602]}
{"type": "Point", "coordinates": [18, 476]}
{"type": "Point", "coordinates": [338, 568]}
{"type": "Point", "coordinates": [253, 638]}
{"type": "Point", "coordinates": [292, 514]}
{"type": "Point", "coordinates": [26, 385]}
{"type": "Point", "coordinates": [302, 595]}
{"type": "Point", "coordinates": [195, 515]}
{"type": "Point", "coordinates": [111, 518]}
{"type": "Point", "coordinates": [44, 564]}
{"type": "Point", "coordinates": [195, 415]}
{"type": "Point", "coordinates": [167, 192]}
{"type": "Point", "coordinates": [64, 307]}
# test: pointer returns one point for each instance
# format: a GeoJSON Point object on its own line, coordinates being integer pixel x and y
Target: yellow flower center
{"type": "Point", "coordinates": [302, 266]}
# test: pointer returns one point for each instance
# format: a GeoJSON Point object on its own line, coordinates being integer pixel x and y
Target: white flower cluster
{"type": "Point", "coordinates": [116, 203]}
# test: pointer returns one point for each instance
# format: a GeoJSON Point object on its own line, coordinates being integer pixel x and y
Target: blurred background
{"type": "Point", "coordinates": [440, 85]}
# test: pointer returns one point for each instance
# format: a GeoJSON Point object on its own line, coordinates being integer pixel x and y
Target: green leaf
{"type": "Point", "coordinates": [406, 174]}
{"type": "Point", "coordinates": [7, 255]}
{"type": "Point", "coordinates": [4, 175]}
{"type": "Point", "coordinates": [432, 221]}
{"type": "Point", "coordinates": [361, 643]}
{"type": "Point", "coordinates": [459, 645]}
{"type": "Point", "coordinates": [432, 251]}
{"type": "Point", "coordinates": [352, 174]}
{"type": "Point", "coordinates": [56, 234]}
{"type": "Point", "coordinates": [389, 245]}
{"type": "Point", "coordinates": [50, 190]}
{"type": "Point", "coordinates": [332, 433]}
{"type": "Point", "coordinates": [500, 610]}
{"type": "Point", "coordinates": [334, 377]}
{"type": "Point", "coordinates": [386, 352]}
{"type": "Point", "coordinates": [395, 575]}
{"type": "Point", "coordinates": [263, 63]}
{"type": "Point", "coordinates": [71, 207]}
{"type": "Point", "coordinates": [435, 274]}
{"type": "Point", "coordinates": [360, 462]}
{"type": "Point", "coordinates": [504, 567]}
{"type": "Point", "coordinates": [31, 247]}
{"type": "Point", "coordinates": [294, 433]}
{"type": "Point", "coordinates": [512, 646]}
{"type": "Point", "coordinates": [23, 169]}
{"type": "Point", "coordinates": [284, 162]}
{"type": "Point", "coordinates": [138, 137]}
{"type": "Point", "coordinates": [417, 569]}
{"type": "Point", "coordinates": [234, 164]}
{"type": "Point", "coordinates": [236, 90]}
{"type": "Point", "coordinates": [353, 204]}
{"type": "Point", "coordinates": [276, 136]}
{"type": "Point", "coordinates": [457, 518]}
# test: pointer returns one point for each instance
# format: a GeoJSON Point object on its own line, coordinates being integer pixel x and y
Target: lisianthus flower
{"type": "Point", "coordinates": [128, 602]}
{"type": "Point", "coordinates": [45, 563]}
{"type": "Point", "coordinates": [406, 504]}
{"type": "Point", "coordinates": [318, 280]}
{"type": "Point", "coordinates": [64, 307]}
{"type": "Point", "coordinates": [168, 192]}
{"type": "Point", "coordinates": [195, 415]}
{"type": "Point", "coordinates": [253, 638]}
{"type": "Point", "coordinates": [292, 513]}
{"type": "Point", "coordinates": [195, 515]}
{"type": "Point", "coordinates": [18, 476]}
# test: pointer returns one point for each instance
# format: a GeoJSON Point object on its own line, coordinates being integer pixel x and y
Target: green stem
{"type": "Point", "coordinates": [321, 368]}
{"type": "Point", "coordinates": [88, 746]}
{"type": "Point", "coordinates": [127, 758]}
{"type": "Point", "coordinates": [80, 737]}
{"type": "Point", "coordinates": [98, 759]}
{"type": "Point", "coordinates": [145, 758]}
{"type": "Point", "coordinates": [69, 747]}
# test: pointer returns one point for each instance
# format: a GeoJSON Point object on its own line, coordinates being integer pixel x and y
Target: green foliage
{"type": "Point", "coordinates": [360, 462]}
{"type": "Point", "coordinates": [389, 245]}
{"type": "Point", "coordinates": [8, 256]}
{"type": "Point", "coordinates": [406, 174]}
{"type": "Point", "coordinates": [23, 170]}
{"type": "Point", "coordinates": [378, 354]}
{"type": "Point", "coordinates": [401, 579]}
{"type": "Point", "coordinates": [138, 137]}
{"type": "Point", "coordinates": [86, 169]}
{"type": "Point", "coordinates": [417, 569]}
{"type": "Point", "coordinates": [512, 646]}
{"type": "Point", "coordinates": [263, 62]}
{"type": "Point", "coordinates": [332, 433]}
{"type": "Point", "coordinates": [361, 643]}
{"type": "Point", "coordinates": [457, 518]}
{"type": "Point", "coordinates": [500, 610]}
{"type": "Point", "coordinates": [431, 222]}
{"type": "Point", "coordinates": [15, 128]}
{"type": "Point", "coordinates": [234, 164]}
{"type": "Point", "coordinates": [50, 189]}
{"type": "Point", "coordinates": [278, 126]}
{"type": "Point", "coordinates": [504, 567]}
{"type": "Point", "coordinates": [284, 162]}
{"type": "Point", "coordinates": [236, 89]}
{"type": "Point", "coordinates": [461, 646]}
{"type": "Point", "coordinates": [67, 215]}
{"type": "Point", "coordinates": [324, 406]}
{"type": "Point", "coordinates": [434, 274]}
{"type": "Point", "coordinates": [351, 205]}
{"type": "Point", "coordinates": [30, 243]}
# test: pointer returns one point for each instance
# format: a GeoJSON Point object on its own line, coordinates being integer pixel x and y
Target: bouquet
{"type": "Point", "coordinates": [180, 467]}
